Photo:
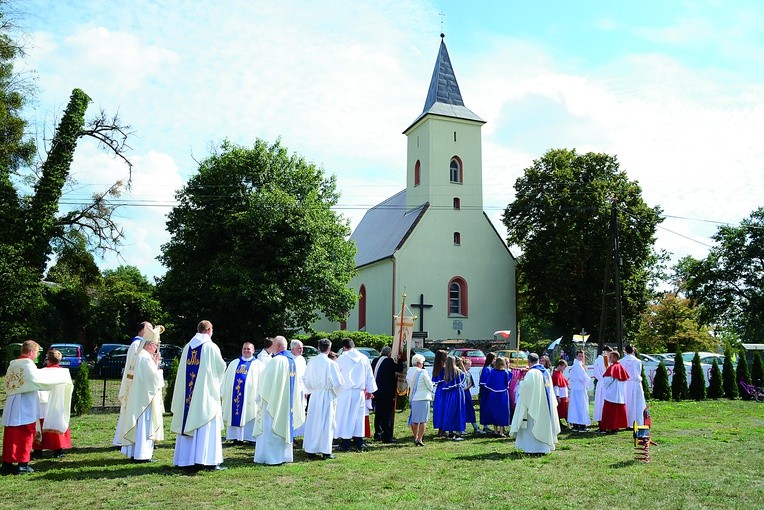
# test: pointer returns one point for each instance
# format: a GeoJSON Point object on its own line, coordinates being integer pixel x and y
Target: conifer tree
{"type": "Point", "coordinates": [645, 384]}
{"type": "Point", "coordinates": [169, 384]}
{"type": "Point", "coordinates": [679, 381]}
{"type": "Point", "coordinates": [742, 374]}
{"type": "Point", "coordinates": [715, 389]}
{"type": "Point", "coordinates": [661, 390]}
{"type": "Point", "coordinates": [728, 376]}
{"type": "Point", "coordinates": [82, 400]}
{"type": "Point", "coordinates": [697, 380]}
{"type": "Point", "coordinates": [757, 370]}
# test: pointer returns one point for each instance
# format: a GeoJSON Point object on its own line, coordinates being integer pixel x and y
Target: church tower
{"type": "Point", "coordinates": [444, 156]}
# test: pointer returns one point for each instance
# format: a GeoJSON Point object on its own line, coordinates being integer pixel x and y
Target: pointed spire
{"type": "Point", "coordinates": [444, 97]}
{"type": "Point", "coordinates": [443, 85]}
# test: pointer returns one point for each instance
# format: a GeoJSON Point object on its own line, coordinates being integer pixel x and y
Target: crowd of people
{"type": "Point", "coordinates": [273, 399]}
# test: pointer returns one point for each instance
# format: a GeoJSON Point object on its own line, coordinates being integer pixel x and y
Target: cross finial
{"type": "Point", "coordinates": [442, 18]}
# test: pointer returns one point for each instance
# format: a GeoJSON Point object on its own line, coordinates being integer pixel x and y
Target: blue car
{"type": "Point", "coordinates": [72, 356]}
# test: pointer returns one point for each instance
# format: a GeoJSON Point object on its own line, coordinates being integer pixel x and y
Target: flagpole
{"type": "Point", "coordinates": [398, 354]}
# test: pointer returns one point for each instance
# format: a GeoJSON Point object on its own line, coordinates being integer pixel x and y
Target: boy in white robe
{"type": "Point", "coordinates": [322, 382]}
{"type": "Point", "coordinates": [358, 382]}
{"type": "Point", "coordinates": [634, 393]}
{"type": "Point", "coordinates": [600, 365]}
{"type": "Point", "coordinates": [578, 408]}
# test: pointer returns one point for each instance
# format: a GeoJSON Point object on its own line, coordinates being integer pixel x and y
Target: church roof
{"type": "Point", "coordinates": [444, 97]}
{"type": "Point", "coordinates": [384, 228]}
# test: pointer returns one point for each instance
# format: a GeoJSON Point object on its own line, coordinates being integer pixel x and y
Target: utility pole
{"type": "Point", "coordinates": [617, 275]}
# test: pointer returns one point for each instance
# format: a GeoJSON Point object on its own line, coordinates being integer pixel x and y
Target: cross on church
{"type": "Point", "coordinates": [421, 305]}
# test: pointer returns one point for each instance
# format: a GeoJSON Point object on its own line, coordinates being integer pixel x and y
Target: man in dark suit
{"type": "Point", "coordinates": [386, 375]}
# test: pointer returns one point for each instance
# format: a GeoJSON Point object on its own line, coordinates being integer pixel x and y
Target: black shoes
{"type": "Point", "coordinates": [23, 470]}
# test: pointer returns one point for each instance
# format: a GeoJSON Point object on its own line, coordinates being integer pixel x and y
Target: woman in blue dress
{"type": "Point", "coordinates": [453, 408]}
{"type": "Point", "coordinates": [485, 413]}
{"type": "Point", "coordinates": [438, 371]}
{"type": "Point", "coordinates": [497, 396]}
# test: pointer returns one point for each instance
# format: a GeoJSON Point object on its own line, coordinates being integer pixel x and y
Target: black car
{"type": "Point", "coordinates": [113, 363]}
{"type": "Point", "coordinates": [169, 353]}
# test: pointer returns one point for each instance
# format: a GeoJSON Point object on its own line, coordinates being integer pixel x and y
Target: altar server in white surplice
{"type": "Point", "coordinates": [600, 365]}
{"type": "Point", "coordinates": [197, 416]}
{"type": "Point", "coordinates": [578, 410]}
{"type": "Point", "coordinates": [358, 383]}
{"type": "Point", "coordinates": [635, 394]}
{"type": "Point", "coordinates": [322, 381]}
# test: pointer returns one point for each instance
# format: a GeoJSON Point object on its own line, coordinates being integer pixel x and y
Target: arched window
{"type": "Point", "coordinates": [457, 239]}
{"type": "Point", "coordinates": [457, 297]}
{"type": "Point", "coordinates": [362, 308]}
{"type": "Point", "coordinates": [455, 170]}
{"type": "Point", "coordinates": [457, 203]}
{"type": "Point", "coordinates": [417, 175]}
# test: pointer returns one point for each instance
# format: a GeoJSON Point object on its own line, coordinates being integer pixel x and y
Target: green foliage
{"type": "Point", "coordinates": [742, 373]}
{"type": "Point", "coordinates": [563, 206]}
{"type": "Point", "coordinates": [679, 380]}
{"type": "Point", "coordinates": [727, 284]}
{"type": "Point", "coordinates": [125, 299]}
{"type": "Point", "coordinates": [645, 385]}
{"type": "Point", "coordinates": [255, 246]}
{"type": "Point", "coordinates": [757, 370]}
{"type": "Point", "coordinates": [715, 389]}
{"type": "Point", "coordinates": [697, 380]}
{"type": "Point", "coordinates": [661, 390]}
{"type": "Point", "coordinates": [82, 400]}
{"type": "Point", "coordinates": [672, 323]}
{"type": "Point", "coordinates": [169, 383]}
{"type": "Point", "coordinates": [360, 338]}
{"type": "Point", "coordinates": [728, 376]}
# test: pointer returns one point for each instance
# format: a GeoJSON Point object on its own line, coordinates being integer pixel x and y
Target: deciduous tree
{"type": "Point", "coordinates": [561, 220]}
{"type": "Point", "coordinates": [255, 246]}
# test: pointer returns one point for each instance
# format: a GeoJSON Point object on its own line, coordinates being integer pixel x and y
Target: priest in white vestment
{"type": "Point", "coordinates": [197, 416]}
{"type": "Point", "coordinates": [23, 381]}
{"type": "Point", "coordinates": [535, 422]}
{"type": "Point", "coordinates": [296, 347]}
{"type": "Point", "coordinates": [600, 365]}
{"type": "Point", "coordinates": [143, 424]}
{"type": "Point", "coordinates": [145, 331]}
{"type": "Point", "coordinates": [280, 410]}
{"type": "Point", "coordinates": [634, 393]}
{"type": "Point", "coordinates": [358, 381]}
{"type": "Point", "coordinates": [578, 407]}
{"type": "Point", "coordinates": [239, 395]}
{"type": "Point", "coordinates": [323, 382]}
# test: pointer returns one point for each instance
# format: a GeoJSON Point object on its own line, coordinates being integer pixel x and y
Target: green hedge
{"type": "Point", "coordinates": [361, 339]}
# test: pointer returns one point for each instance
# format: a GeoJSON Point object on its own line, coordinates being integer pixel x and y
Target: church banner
{"type": "Point", "coordinates": [404, 330]}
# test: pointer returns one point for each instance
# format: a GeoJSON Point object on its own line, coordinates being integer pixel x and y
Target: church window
{"type": "Point", "coordinates": [457, 203]}
{"type": "Point", "coordinates": [417, 173]}
{"type": "Point", "coordinates": [457, 297]}
{"type": "Point", "coordinates": [456, 170]}
{"type": "Point", "coordinates": [454, 135]}
{"type": "Point", "coordinates": [457, 239]}
{"type": "Point", "coordinates": [362, 308]}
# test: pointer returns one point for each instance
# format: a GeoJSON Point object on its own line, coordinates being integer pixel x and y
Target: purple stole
{"type": "Point", "coordinates": [193, 359]}
{"type": "Point", "coordinates": [237, 396]}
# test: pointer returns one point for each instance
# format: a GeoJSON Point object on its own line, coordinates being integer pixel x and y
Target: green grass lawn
{"type": "Point", "coordinates": [709, 455]}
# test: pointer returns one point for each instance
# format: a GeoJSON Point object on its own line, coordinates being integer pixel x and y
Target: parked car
{"type": "Point", "coordinates": [706, 358]}
{"type": "Point", "coordinates": [370, 352]}
{"type": "Point", "coordinates": [476, 356]}
{"type": "Point", "coordinates": [517, 359]}
{"type": "Point", "coordinates": [72, 356]}
{"type": "Point", "coordinates": [105, 349]}
{"type": "Point", "coordinates": [308, 351]}
{"type": "Point", "coordinates": [429, 356]}
{"type": "Point", "coordinates": [169, 353]}
{"type": "Point", "coordinates": [113, 363]}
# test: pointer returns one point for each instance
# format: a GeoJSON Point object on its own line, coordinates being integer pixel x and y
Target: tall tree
{"type": "Point", "coordinates": [126, 298]}
{"type": "Point", "coordinates": [715, 389]}
{"type": "Point", "coordinates": [30, 222]}
{"type": "Point", "coordinates": [255, 246]}
{"type": "Point", "coordinates": [728, 284]}
{"type": "Point", "coordinates": [671, 323]}
{"type": "Point", "coordinates": [561, 220]}
{"type": "Point", "coordinates": [697, 380]}
{"type": "Point", "coordinates": [679, 379]}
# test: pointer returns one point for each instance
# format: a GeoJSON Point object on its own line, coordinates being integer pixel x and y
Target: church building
{"type": "Point", "coordinates": [433, 239]}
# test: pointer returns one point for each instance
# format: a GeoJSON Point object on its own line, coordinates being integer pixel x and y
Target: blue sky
{"type": "Point", "coordinates": [674, 89]}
